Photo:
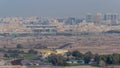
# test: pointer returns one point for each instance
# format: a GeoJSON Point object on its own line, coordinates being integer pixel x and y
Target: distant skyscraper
{"type": "Point", "coordinates": [70, 20]}
{"type": "Point", "coordinates": [111, 16]}
{"type": "Point", "coordinates": [89, 18]}
{"type": "Point", "coordinates": [97, 18]}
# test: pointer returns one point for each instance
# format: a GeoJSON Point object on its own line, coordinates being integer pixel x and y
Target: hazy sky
{"type": "Point", "coordinates": [56, 8]}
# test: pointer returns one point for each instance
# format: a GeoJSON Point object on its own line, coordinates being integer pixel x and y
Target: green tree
{"type": "Point", "coordinates": [97, 58]}
{"type": "Point", "coordinates": [6, 55]}
{"type": "Point", "coordinates": [19, 46]}
{"type": "Point", "coordinates": [87, 57]}
{"type": "Point", "coordinates": [68, 53]}
{"type": "Point", "coordinates": [104, 57]}
{"type": "Point", "coordinates": [77, 55]}
{"type": "Point", "coordinates": [14, 55]}
{"type": "Point", "coordinates": [102, 63]}
{"type": "Point", "coordinates": [109, 59]}
{"type": "Point", "coordinates": [57, 60]}
{"type": "Point", "coordinates": [115, 58]}
{"type": "Point", "coordinates": [31, 51]}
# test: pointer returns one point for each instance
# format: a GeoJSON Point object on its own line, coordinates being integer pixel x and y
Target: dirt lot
{"type": "Point", "coordinates": [96, 43]}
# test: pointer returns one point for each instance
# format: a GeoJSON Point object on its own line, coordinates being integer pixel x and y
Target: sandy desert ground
{"type": "Point", "coordinates": [96, 43]}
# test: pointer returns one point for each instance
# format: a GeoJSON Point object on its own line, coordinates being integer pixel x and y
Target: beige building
{"type": "Point", "coordinates": [61, 51]}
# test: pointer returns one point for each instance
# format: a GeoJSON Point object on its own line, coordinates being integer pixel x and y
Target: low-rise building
{"type": "Point", "coordinates": [46, 53]}
{"type": "Point", "coordinates": [42, 29]}
{"type": "Point", "coordinates": [61, 51]}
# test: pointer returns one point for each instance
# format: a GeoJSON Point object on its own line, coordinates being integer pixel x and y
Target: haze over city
{"type": "Point", "coordinates": [56, 8]}
{"type": "Point", "coordinates": [59, 34]}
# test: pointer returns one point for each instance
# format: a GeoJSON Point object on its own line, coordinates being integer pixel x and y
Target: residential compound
{"type": "Point", "coordinates": [40, 25]}
{"type": "Point", "coordinates": [20, 25]}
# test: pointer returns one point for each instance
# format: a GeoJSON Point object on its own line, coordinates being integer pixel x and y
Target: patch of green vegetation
{"type": "Point", "coordinates": [29, 56]}
{"type": "Point", "coordinates": [6, 58]}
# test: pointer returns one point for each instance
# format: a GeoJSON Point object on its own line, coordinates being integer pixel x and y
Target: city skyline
{"type": "Point", "coordinates": [53, 8]}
